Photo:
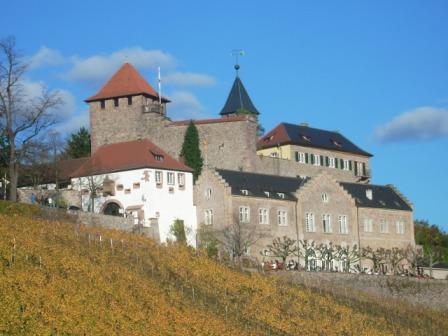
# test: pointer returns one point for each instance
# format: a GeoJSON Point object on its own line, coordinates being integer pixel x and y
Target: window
{"type": "Point", "coordinates": [159, 177]}
{"type": "Point", "coordinates": [130, 100]}
{"type": "Point", "coordinates": [281, 195]}
{"type": "Point", "coordinates": [208, 193]}
{"type": "Point", "coordinates": [316, 159]}
{"type": "Point", "coordinates": [245, 192]}
{"type": "Point", "coordinates": [244, 214]}
{"type": "Point", "coordinates": [263, 216]}
{"type": "Point", "coordinates": [282, 218]}
{"type": "Point", "coordinates": [326, 223]}
{"type": "Point", "coordinates": [346, 165]}
{"type": "Point", "coordinates": [116, 103]}
{"type": "Point", "coordinates": [368, 225]}
{"type": "Point", "coordinates": [170, 178]}
{"type": "Point", "coordinates": [343, 226]}
{"type": "Point", "coordinates": [369, 194]}
{"type": "Point", "coordinates": [120, 187]}
{"type": "Point", "coordinates": [274, 154]}
{"type": "Point", "coordinates": [267, 193]}
{"type": "Point", "coordinates": [300, 157]}
{"type": "Point", "coordinates": [325, 198]}
{"type": "Point", "coordinates": [384, 226]}
{"type": "Point", "coordinates": [181, 179]}
{"type": "Point", "coordinates": [208, 217]}
{"type": "Point", "coordinates": [136, 185]}
{"type": "Point", "coordinates": [400, 227]}
{"type": "Point", "coordinates": [103, 104]}
{"type": "Point", "coordinates": [336, 143]}
{"type": "Point", "coordinates": [158, 157]}
{"type": "Point", "coordinates": [310, 225]}
{"type": "Point", "coordinates": [306, 138]}
{"type": "Point", "coordinates": [359, 169]}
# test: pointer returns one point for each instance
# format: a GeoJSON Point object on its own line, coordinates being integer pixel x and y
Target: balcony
{"type": "Point", "coordinates": [153, 108]}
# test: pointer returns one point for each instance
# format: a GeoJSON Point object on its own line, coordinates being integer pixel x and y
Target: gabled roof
{"type": "Point", "coordinates": [258, 184]}
{"type": "Point", "coordinates": [383, 197]}
{"type": "Point", "coordinates": [127, 81]}
{"type": "Point", "coordinates": [238, 100]}
{"type": "Point", "coordinates": [303, 135]}
{"type": "Point", "coordinates": [128, 156]}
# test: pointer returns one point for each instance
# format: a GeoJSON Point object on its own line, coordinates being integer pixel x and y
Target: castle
{"type": "Point", "coordinates": [296, 181]}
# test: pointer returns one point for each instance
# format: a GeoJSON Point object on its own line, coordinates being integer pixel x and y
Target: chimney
{"type": "Point", "coordinates": [304, 124]}
{"type": "Point", "coordinates": [369, 194]}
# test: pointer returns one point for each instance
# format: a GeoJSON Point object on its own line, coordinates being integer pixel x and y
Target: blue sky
{"type": "Point", "coordinates": [377, 71]}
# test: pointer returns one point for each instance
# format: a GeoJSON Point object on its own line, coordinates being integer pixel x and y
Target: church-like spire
{"type": "Point", "coordinates": [238, 101]}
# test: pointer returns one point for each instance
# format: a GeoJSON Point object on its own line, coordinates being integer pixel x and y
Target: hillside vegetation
{"type": "Point", "coordinates": [61, 279]}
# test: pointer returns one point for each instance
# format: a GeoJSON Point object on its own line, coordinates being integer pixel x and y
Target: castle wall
{"type": "Point", "coordinates": [287, 167]}
{"type": "Point", "coordinates": [125, 122]}
{"type": "Point", "coordinates": [376, 239]}
{"type": "Point", "coordinates": [339, 204]}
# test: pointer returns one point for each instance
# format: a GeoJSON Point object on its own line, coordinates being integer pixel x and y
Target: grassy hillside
{"type": "Point", "coordinates": [58, 279]}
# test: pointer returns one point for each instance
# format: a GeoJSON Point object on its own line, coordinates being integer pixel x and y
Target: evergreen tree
{"type": "Point", "coordinates": [191, 151]}
{"type": "Point", "coordinates": [78, 145]}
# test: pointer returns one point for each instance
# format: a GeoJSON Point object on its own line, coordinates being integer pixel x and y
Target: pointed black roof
{"type": "Point", "coordinates": [238, 100]}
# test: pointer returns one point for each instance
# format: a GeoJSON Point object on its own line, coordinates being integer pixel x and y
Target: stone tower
{"type": "Point", "coordinates": [125, 108]}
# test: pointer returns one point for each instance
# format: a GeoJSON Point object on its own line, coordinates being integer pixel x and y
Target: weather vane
{"type": "Point", "coordinates": [237, 53]}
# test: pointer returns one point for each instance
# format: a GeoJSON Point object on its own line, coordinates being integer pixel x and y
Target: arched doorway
{"type": "Point", "coordinates": [112, 209]}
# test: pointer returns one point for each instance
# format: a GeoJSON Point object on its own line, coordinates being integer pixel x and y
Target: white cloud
{"type": "Point", "coordinates": [73, 124]}
{"type": "Point", "coordinates": [185, 105]}
{"type": "Point", "coordinates": [423, 123]}
{"type": "Point", "coordinates": [189, 79]}
{"type": "Point", "coordinates": [98, 68]}
{"type": "Point", "coordinates": [46, 57]}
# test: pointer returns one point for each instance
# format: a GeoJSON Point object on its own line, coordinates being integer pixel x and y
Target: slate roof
{"type": "Point", "coordinates": [238, 99]}
{"type": "Point", "coordinates": [258, 184]}
{"type": "Point", "coordinates": [127, 81]}
{"type": "Point", "coordinates": [128, 156]}
{"type": "Point", "coordinates": [307, 136]}
{"type": "Point", "coordinates": [384, 197]}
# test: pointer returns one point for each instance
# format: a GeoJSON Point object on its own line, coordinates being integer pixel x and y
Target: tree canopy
{"type": "Point", "coordinates": [191, 152]}
{"type": "Point", "coordinates": [78, 144]}
{"type": "Point", "coordinates": [433, 240]}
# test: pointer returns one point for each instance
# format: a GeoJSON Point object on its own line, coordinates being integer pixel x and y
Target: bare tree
{"type": "Point", "coordinates": [349, 255]}
{"type": "Point", "coordinates": [282, 247]}
{"type": "Point", "coordinates": [22, 117]}
{"type": "Point", "coordinates": [378, 256]}
{"type": "Point", "coordinates": [414, 256]}
{"type": "Point", "coordinates": [395, 257]}
{"type": "Point", "coordinates": [237, 238]}
{"type": "Point", "coordinates": [306, 249]}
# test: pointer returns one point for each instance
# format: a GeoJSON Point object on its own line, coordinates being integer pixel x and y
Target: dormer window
{"type": "Point", "coordinates": [306, 138]}
{"type": "Point", "coordinates": [382, 203]}
{"type": "Point", "coordinates": [369, 194]}
{"type": "Point", "coordinates": [269, 138]}
{"type": "Point", "coordinates": [157, 157]}
{"type": "Point", "coordinates": [281, 195]}
{"type": "Point", "coordinates": [336, 143]}
{"type": "Point", "coordinates": [267, 193]}
{"type": "Point", "coordinates": [245, 192]}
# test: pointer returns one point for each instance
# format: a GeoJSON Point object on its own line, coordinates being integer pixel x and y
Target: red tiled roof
{"type": "Point", "coordinates": [126, 81]}
{"type": "Point", "coordinates": [210, 121]}
{"type": "Point", "coordinates": [127, 156]}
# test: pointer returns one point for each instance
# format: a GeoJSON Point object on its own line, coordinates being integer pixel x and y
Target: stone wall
{"type": "Point", "coordinates": [431, 293]}
{"type": "Point", "coordinates": [102, 221]}
{"type": "Point", "coordinates": [70, 197]}
{"type": "Point", "coordinates": [339, 203]}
